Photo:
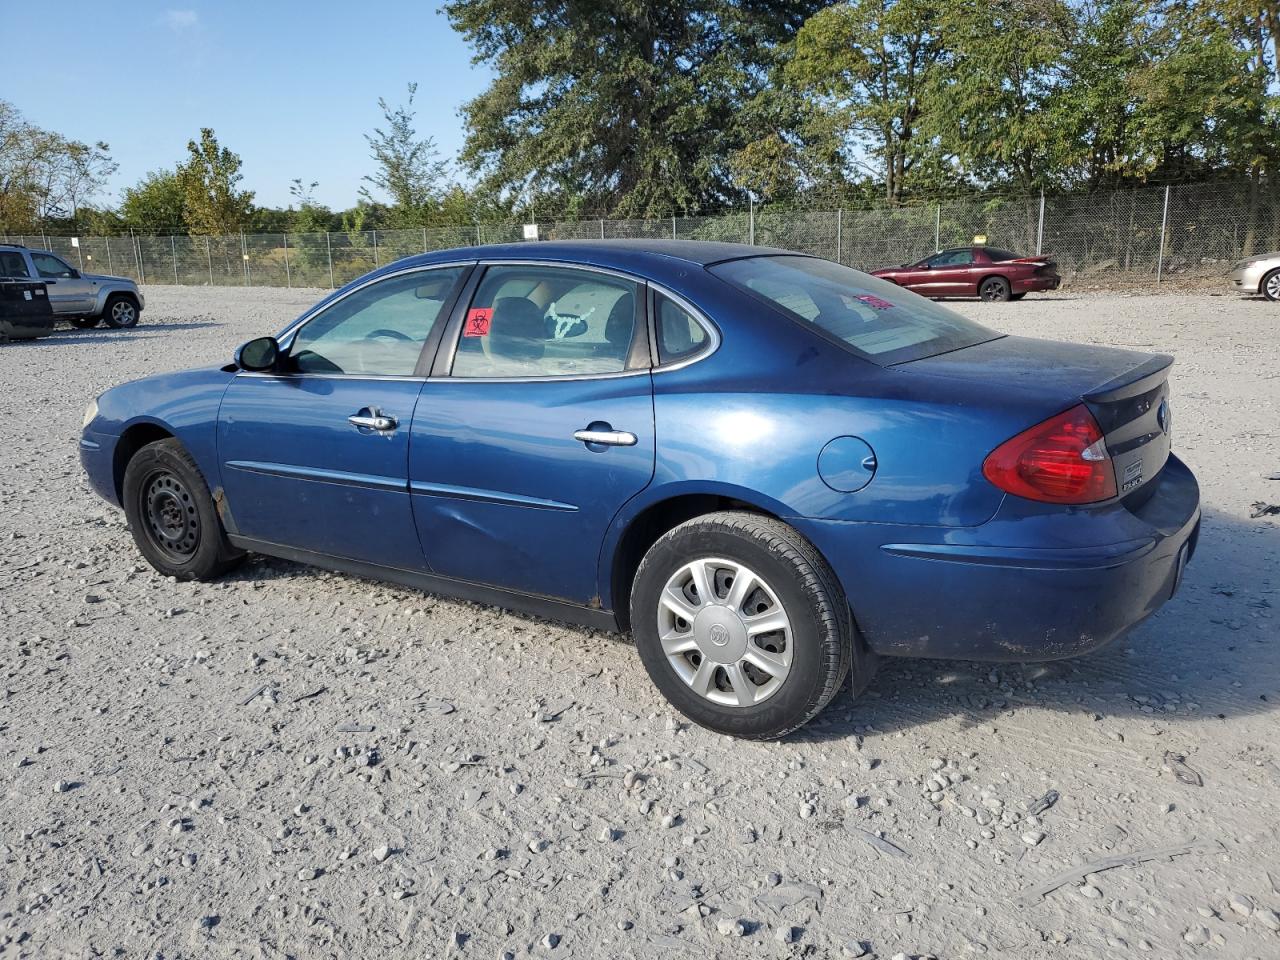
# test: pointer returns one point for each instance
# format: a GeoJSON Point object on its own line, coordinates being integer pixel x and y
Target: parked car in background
{"type": "Point", "coordinates": [24, 310]}
{"type": "Point", "coordinates": [83, 299]}
{"type": "Point", "coordinates": [767, 466]}
{"type": "Point", "coordinates": [984, 272]}
{"type": "Point", "coordinates": [1259, 274]}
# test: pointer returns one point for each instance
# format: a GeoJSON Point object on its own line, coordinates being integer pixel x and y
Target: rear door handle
{"type": "Point", "coordinates": [374, 421]}
{"type": "Point", "coordinates": [607, 438]}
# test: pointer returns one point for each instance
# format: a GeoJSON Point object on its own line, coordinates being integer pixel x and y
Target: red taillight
{"type": "Point", "coordinates": [1062, 460]}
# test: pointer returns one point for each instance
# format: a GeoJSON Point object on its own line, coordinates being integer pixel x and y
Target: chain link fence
{"type": "Point", "coordinates": [1125, 236]}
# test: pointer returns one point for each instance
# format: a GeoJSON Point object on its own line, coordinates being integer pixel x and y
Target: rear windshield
{"type": "Point", "coordinates": [874, 318]}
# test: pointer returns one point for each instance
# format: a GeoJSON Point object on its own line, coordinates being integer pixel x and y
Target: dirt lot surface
{"type": "Point", "coordinates": [294, 763]}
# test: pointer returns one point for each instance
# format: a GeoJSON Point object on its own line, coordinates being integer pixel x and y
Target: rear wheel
{"type": "Point", "coordinates": [120, 312]}
{"type": "Point", "coordinates": [994, 290]}
{"type": "Point", "coordinates": [171, 514]}
{"type": "Point", "coordinates": [1271, 285]}
{"type": "Point", "coordinates": [741, 624]}
{"type": "Point", "coordinates": [84, 323]}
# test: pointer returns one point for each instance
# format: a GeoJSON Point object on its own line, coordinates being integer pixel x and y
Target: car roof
{"type": "Point", "coordinates": [608, 253]}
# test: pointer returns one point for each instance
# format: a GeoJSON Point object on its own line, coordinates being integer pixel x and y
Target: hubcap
{"type": "Point", "coordinates": [170, 515]}
{"type": "Point", "coordinates": [725, 632]}
{"type": "Point", "coordinates": [122, 313]}
{"type": "Point", "coordinates": [991, 291]}
{"type": "Point", "coordinates": [1273, 286]}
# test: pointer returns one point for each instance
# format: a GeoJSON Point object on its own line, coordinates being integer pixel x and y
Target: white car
{"type": "Point", "coordinates": [1260, 274]}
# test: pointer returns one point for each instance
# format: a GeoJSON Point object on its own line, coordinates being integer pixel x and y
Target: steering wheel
{"type": "Point", "coordinates": [389, 334]}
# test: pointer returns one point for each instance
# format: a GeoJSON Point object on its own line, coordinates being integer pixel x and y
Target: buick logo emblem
{"type": "Point", "coordinates": [719, 634]}
{"type": "Point", "coordinates": [1165, 417]}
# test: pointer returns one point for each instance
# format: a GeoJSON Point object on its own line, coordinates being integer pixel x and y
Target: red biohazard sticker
{"type": "Point", "coordinates": [477, 324]}
{"type": "Point", "coordinates": [877, 302]}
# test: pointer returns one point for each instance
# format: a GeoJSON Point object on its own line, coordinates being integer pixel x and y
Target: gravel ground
{"type": "Point", "coordinates": [294, 763]}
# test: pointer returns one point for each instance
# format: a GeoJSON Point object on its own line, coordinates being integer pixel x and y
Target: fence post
{"type": "Point", "coordinates": [751, 222]}
{"type": "Point", "coordinates": [1164, 222]}
{"type": "Point", "coordinates": [208, 252]}
{"type": "Point", "coordinates": [937, 227]}
{"type": "Point", "coordinates": [375, 247]}
{"type": "Point", "coordinates": [328, 246]}
{"type": "Point", "coordinates": [602, 228]}
{"type": "Point", "coordinates": [839, 225]}
{"type": "Point", "coordinates": [1040, 228]}
{"type": "Point", "coordinates": [424, 239]}
{"type": "Point", "coordinates": [244, 255]}
{"type": "Point", "coordinates": [478, 240]}
{"type": "Point", "coordinates": [173, 249]}
{"type": "Point", "coordinates": [288, 274]}
{"type": "Point", "coordinates": [110, 267]}
{"type": "Point", "coordinates": [673, 226]}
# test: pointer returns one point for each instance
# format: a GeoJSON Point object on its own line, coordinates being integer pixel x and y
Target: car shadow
{"type": "Point", "coordinates": [1208, 652]}
{"type": "Point", "coordinates": [144, 331]}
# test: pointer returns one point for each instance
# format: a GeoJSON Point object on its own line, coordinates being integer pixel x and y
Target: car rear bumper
{"type": "Point", "coordinates": [996, 592]}
{"type": "Point", "coordinates": [1037, 284]}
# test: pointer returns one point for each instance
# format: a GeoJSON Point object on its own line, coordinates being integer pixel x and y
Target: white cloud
{"type": "Point", "coordinates": [180, 21]}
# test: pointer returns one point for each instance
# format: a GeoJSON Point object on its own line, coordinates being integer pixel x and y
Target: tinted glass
{"type": "Point", "coordinates": [679, 335]}
{"type": "Point", "coordinates": [874, 318]}
{"type": "Point", "coordinates": [50, 266]}
{"type": "Point", "coordinates": [998, 256]}
{"type": "Point", "coordinates": [376, 331]}
{"type": "Point", "coordinates": [546, 322]}
{"type": "Point", "coordinates": [13, 264]}
{"type": "Point", "coordinates": [951, 258]}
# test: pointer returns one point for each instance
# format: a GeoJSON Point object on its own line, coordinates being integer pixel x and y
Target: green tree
{"type": "Point", "coordinates": [867, 64]}
{"type": "Point", "coordinates": [410, 172]}
{"type": "Point", "coordinates": [44, 174]}
{"type": "Point", "coordinates": [212, 203]}
{"type": "Point", "coordinates": [629, 106]}
{"type": "Point", "coordinates": [155, 203]}
{"type": "Point", "coordinates": [311, 216]}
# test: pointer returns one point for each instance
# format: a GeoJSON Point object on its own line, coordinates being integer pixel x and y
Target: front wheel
{"type": "Point", "coordinates": [120, 312]}
{"type": "Point", "coordinates": [741, 624]}
{"type": "Point", "coordinates": [171, 514]}
{"type": "Point", "coordinates": [83, 323]}
{"type": "Point", "coordinates": [994, 290]}
{"type": "Point", "coordinates": [1271, 286]}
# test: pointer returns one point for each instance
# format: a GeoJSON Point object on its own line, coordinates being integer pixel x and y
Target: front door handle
{"type": "Point", "coordinates": [607, 438]}
{"type": "Point", "coordinates": [375, 420]}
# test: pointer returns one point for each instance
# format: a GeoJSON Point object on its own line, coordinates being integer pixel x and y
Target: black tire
{"type": "Point", "coordinates": [172, 516]}
{"type": "Point", "coordinates": [822, 632]}
{"type": "Point", "coordinates": [1270, 286]}
{"type": "Point", "coordinates": [121, 311]}
{"type": "Point", "coordinates": [84, 323]}
{"type": "Point", "coordinates": [1016, 296]}
{"type": "Point", "coordinates": [994, 290]}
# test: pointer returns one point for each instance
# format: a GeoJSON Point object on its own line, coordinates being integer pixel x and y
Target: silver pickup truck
{"type": "Point", "coordinates": [84, 299]}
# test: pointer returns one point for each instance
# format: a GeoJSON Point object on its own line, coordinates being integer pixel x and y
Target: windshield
{"type": "Point", "coordinates": [874, 318]}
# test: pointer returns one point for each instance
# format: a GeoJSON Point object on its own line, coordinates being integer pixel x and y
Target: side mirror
{"type": "Point", "coordinates": [260, 354]}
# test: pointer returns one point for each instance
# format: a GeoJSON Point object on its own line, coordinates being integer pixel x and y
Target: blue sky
{"type": "Point", "coordinates": [289, 86]}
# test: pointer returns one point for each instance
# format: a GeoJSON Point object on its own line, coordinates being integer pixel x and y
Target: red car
{"type": "Point", "coordinates": [983, 272]}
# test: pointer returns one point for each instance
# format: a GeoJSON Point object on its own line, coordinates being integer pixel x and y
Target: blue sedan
{"type": "Point", "coordinates": [768, 467]}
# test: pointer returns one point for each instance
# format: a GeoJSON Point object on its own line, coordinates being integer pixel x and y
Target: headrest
{"type": "Point", "coordinates": [621, 323]}
{"type": "Point", "coordinates": [516, 331]}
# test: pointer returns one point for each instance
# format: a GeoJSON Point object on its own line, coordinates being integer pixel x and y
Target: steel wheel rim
{"type": "Point", "coordinates": [122, 313]}
{"type": "Point", "coordinates": [724, 632]}
{"type": "Point", "coordinates": [1273, 286]}
{"type": "Point", "coordinates": [169, 515]}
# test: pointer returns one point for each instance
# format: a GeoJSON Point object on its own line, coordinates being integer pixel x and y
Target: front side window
{"type": "Point", "coordinates": [379, 330]}
{"type": "Point", "coordinates": [538, 321]}
{"type": "Point", "coordinates": [50, 267]}
{"type": "Point", "coordinates": [874, 318]}
{"type": "Point", "coordinates": [951, 258]}
{"type": "Point", "coordinates": [13, 264]}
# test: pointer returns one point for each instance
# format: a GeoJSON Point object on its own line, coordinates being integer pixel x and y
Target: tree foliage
{"type": "Point", "coordinates": [409, 169]}
{"type": "Point", "coordinates": [155, 203]}
{"type": "Point", "coordinates": [44, 174]}
{"type": "Point", "coordinates": [212, 203]}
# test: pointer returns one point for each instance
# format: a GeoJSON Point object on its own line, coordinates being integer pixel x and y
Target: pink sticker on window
{"type": "Point", "coordinates": [478, 319]}
{"type": "Point", "coordinates": [876, 302]}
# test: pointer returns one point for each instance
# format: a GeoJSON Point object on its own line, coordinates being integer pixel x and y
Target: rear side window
{"type": "Point", "coordinates": [679, 335]}
{"type": "Point", "coordinates": [873, 318]}
{"type": "Point", "coordinates": [13, 264]}
{"type": "Point", "coordinates": [999, 256]}
{"type": "Point", "coordinates": [540, 321]}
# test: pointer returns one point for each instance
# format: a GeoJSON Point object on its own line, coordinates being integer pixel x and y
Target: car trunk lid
{"type": "Point", "coordinates": [1126, 391]}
